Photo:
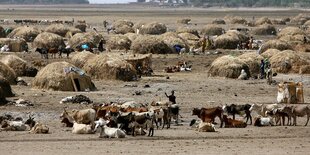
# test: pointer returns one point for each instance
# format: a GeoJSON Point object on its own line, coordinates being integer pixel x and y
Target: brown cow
{"type": "Point", "coordinates": [208, 115]}
{"type": "Point", "coordinates": [298, 111]}
{"type": "Point", "coordinates": [53, 52]}
{"type": "Point", "coordinates": [231, 123]}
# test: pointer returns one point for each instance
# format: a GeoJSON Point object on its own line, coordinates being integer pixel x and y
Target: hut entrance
{"type": "Point", "coordinates": [77, 85]}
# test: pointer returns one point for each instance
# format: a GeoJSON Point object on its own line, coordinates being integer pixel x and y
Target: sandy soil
{"type": "Point", "coordinates": [193, 89]}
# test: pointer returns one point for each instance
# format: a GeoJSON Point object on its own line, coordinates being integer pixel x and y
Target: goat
{"type": "Point", "coordinates": [238, 109]}
{"type": "Point", "coordinates": [231, 123]}
{"type": "Point", "coordinates": [263, 121]}
{"type": "Point", "coordinates": [81, 128]}
{"type": "Point", "coordinates": [110, 132]}
{"type": "Point", "coordinates": [36, 127]}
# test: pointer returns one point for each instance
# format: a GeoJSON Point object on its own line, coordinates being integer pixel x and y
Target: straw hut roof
{"type": "Point", "coordinates": [79, 59]}
{"type": "Point", "coordinates": [150, 44]}
{"type": "Point", "coordinates": [61, 29]}
{"type": "Point", "coordinates": [228, 66]}
{"type": "Point", "coordinates": [212, 29]}
{"type": "Point", "coordinates": [270, 52]}
{"type": "Point", "coordinates": [264, 29]}
{"type": "Point", "coordinates": [252, 59]}
{"type": "Point", "coordinates": [48, 40]}
{"type": "Point", "coordinates": [91, 38]}
{"type": "Point", "coordinates": [187, 30]}
{"type": "Point", "coordinates": [218, 21]}
{"type": "Point", "coordinates": [275, 44]}
{"type": "Point", "coordinates": [5, 88]}
{"type": "Point", "coordinates": [230, 39]}
{"type": "Point", "coordinates": [26, 32]}
{"type": "Point", "coordinates": [153, 28]}
{"type": "Point", "coordinates": [8, 73]}
{"type": "Point", "coordinates": [171, 39]}
{"type": "Point", "coordinates": [262, 21]}
{"type": "Point", "coordinates": [53, 77]}
{"type": "Point", "coordinates": [15, 45]}
{"type": "Point", "coordinates": [20, 66]}
{"type": "Point", "coordinates": [118, 42]}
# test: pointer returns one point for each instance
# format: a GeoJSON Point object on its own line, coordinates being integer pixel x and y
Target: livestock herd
{"type": "Point", "coordinates": [40, 22]}
{"type": "Point", "coordinates": [130, 118]}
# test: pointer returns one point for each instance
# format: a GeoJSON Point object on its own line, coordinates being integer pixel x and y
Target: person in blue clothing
{"type": "Point", "coordinates": [177, 48]}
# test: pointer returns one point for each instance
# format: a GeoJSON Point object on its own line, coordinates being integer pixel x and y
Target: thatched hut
{"type": "Point", "coordinates": [154, 28]}
{"type": "Point", "coordinates": [291, 31]}
{"type": "Point", "coordinates": [265, 29]}
{"type": "Point", "coordinates": [276, 44]}
{"type": "Point", "coordinates": [212, 29]}
{"type": "Point", "coordinates": [262, 20]}
{"type": "Point", "coordinates": [184, 21]}
{"type": "Point", "coordinates": [20, 66]}
{"type": "Point", "coordinates": [5, 88]}
{"type": "Point", "coordinates": [287, 61]}
{"type": "Point", "coordinates": [120, 23]}
{"type": "Point", "coordinates": [278, 22]}
{"type": "Point", "coordinates": [15, 45]}
{"type": "Point", "coordinates": [218, 21]}
{"type": "Point", "coordinates": [230, 40]}
{"type": "Point", "coordinates": [8, 73]}
{"type": "Point", "coordinates": [228, 66]}
{"type": "Point", "coordinates": [54, 77]}
{"type": "Point", "coordinates": [123, 27]}
{"type": "Point", "coordinates": [187, 30]}
{"type": "Point", "coordinates": [190, 38]}
{"type": "Point", "coordinates": [171, 39]}
{"type": "Point", "coordinates": [237, 20]}
{"type": "Point", "coordinates": [48, 40]}
{"type": "Point", "coordinates": [252, 59]}
{"type": "Point", "coordinates": [79, 59]}
{"type": "Point", "coordinates": [81, 27]}
{"type": "Point", "coordinates": [270, 52]}
{"type": "Point", "coordinates": [293, 39]}
{"type": "Point", "coordinates": [150, 44]}
{"type": "Point", "coordinates": [61, 29]}
{"type": "Point", "coordinates": [118, 42]}
{"type": "Point", "coordinates": [25, 32]}
{"type": "Point", "coordinates": [105, 67]}
{"type": "Point", "coordinates": [91, 38]}
{"type": "Point", "coordinates": [300, 19]}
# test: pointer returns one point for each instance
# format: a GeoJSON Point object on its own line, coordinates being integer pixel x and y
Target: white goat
{"type": "Point", "coordinates": [15, 126]}
{"type": "Point", "coordinates": [110, 132]}
{"type": "Point", "coordinates": [81, 128]}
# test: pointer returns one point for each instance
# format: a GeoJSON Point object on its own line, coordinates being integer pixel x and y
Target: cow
{"type": "Point", "coordinates": [86, 116]}
{"type": "Point", "coordinates": [238, 109]}
{"type": "Point", "coordinates": [53, 52]}
{"type": "Point", "coordinates": [232, 123]}
{"type": "Point", "coordinates": [82, 128]}
{"type": "Point", "coordinates": [262, 108]}
{"type": "Point", "coordinates": [279, 115]}
{"type": "Point", "coordinates": [143, 120]}
{"type": "Point", "coordinates": [203, 126]}
{"type": "Point", "coordinates": [208, 115]}
{"type": "Point", "coordinates": [64, 50]}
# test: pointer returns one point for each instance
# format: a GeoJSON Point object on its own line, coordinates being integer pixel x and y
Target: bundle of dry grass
{"type": "Point", "coordinates": [304, 69]}
{"type": "Point", "coordinates": [20, 66]}
{"type": "Point", "coordinates": [276, 44]}
{"type": "Point", "coordinates": [218, 21]}
{"type": "Point", "coordinates": [270, 52]}
{"type": "Point", "coordinates": [153, 28]}
{"type": "Point", "coordinates": [48, 40]}
{"type": "Point", "coordinates": [15, 45]}
{"type": "Point", "coordinates": [79, 59]}
{"type": "Point", "coordinates": [291, 31]}
{"type": "Point", "coordinates": [25, 32]}
{"type": "Point", "coordinates": [252, 59]}
{"type": "Point", "coordinates": [8, 73]}
{"type": "Point", "coordinates": [53, 77]}
{"type": "Point", "coordinates": [2, 33]}
{"type": "Point", "coordinates": [300, 19]}
{"type": "Point", "coordinates": [228, 66]}
{"type": "Point", "coordinates": [278, 22]}
{"type": "Point", "coordinates": [187, 30]}
{"type": "Point", "coordinates": [5, 88]}
{"type": "Point", "coordinates": [230, 39]}
{"type": "Point", "coordinates": [118, 42]}
{"type": "Point", "coordinates": [81, 27]}
{"type": "Point", "coordinates": [61, 29]}
{"type": "Point", "coordinates": [171, 39]}
{"type": "Point", "coordinates": [108, 67]}
{"type": "Point", "coordinates": [265, 29]}
{"type": "Point", "coordinates": [184, 21]}
{"type": "Point", "coordinates": [91, 38]}
{"type": "Point", "coordinates": [190, 38]}
{"type": "Point", "coordinates": [212, 29]}
{"type": "Point", "coordinates": [287, 61]}
{"type": "Point", "coordinates": [150, 44]}
{"type": "Point", "coordinates": [262, 20]}
{"type": "Point", "coordinates": [237, 20]}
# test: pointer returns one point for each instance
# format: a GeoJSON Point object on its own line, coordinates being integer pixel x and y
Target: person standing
{"type": "Point", "coordinates": [262, 69]}
{"type": "Point", "coordinates": [171, 97]}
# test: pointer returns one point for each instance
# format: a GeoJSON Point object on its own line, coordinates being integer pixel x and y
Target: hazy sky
{"type": "Point", "coordinates": [111, 1]}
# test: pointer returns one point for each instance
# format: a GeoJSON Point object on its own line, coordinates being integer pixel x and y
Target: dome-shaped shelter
{"type": "Point", "coordinates": [252, 59]}
{"type": "Point", "coordinates": [270, 52]}
{"type": "Point", "coordinates": [262, 21]}
{"type": "Point", "coordinates": [20, 66]}
{"type": "Point", "coordinates": [275, 44]}
{"type": "Point", "coordinates": [8, 73]}
{"type": "Point", "coordinates": [230, 40]}
{"type": "Point", "coordinates": [150, 44]}
{"type": "Point", "coordinates": [91, 38]}
{"type": "Point", "coordinates": [26, 32]}
{"type": "Point", "coordinates": [62, 76]}
{"type": "Point", "coordinates": [228, 66]}
{"type": "Point", "coordinates": [15, 44]}
{"type": "Point", "coordinates": [171, 39]}
{"type": "Point", "coordinates": [118, 42]}
{"type": "Point", "coordinates": [153, 28]}
{"type": "Point", "coordinates": [212, 30]}
{"type": "Point", "coordinates": [61, 29]}
{"type": "Point", "coordinates": [5, 88]}
{"type": "Point", "coordinates": [265, 29]}
{"type": "Point", "coordinates": [80, 58]}
{"type": "Point", "coordinates": [48, 40]}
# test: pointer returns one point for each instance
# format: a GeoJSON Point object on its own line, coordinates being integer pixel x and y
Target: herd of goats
{"type": "Point", "coordinates": [131, 118]}
{"type": "Point", "coordinates": [41, 22]}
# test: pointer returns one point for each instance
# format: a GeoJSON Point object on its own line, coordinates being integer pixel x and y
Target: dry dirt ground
{"type": "Point", "coordinates": [193, 89]}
